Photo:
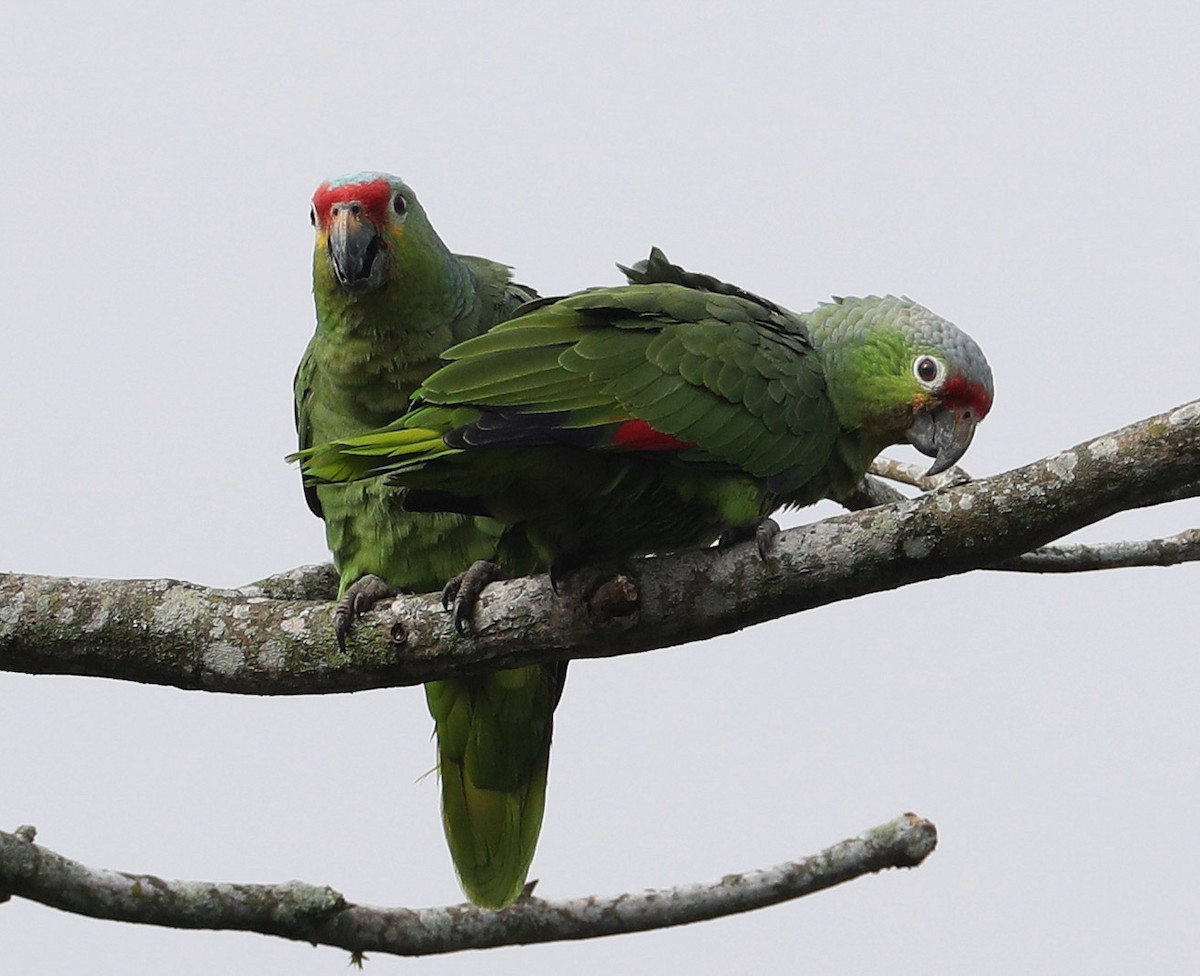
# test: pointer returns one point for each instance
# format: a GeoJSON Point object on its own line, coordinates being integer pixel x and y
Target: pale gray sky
{"type": "Point", "coordinates": [1028, 171]}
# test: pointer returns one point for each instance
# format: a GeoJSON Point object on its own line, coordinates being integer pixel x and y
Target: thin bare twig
{"type": "Point", "coordinates": [913, 474]}
{"type": "Point", "coordinates": [1181, 548]}
{"type": "Point", "coordinates": [320, 915]}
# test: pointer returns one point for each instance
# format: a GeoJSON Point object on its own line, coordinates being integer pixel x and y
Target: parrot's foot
{"type": "Point", "coordinates": [360, 596]}
{"type": "Point", "coordinates": [763, 532]}
{"type": "Point", "coordinates": [605, 590]}
{"type": "Point", "coordinates": [463, 591]}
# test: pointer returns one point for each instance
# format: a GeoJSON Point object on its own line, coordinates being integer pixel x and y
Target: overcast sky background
{"type": "Point", "coordinates": [1027, 171]}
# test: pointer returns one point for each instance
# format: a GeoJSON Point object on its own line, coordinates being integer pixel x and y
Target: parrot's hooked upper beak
{"type": "Point", "coordinates": [944, 435]}
{"type": "Point", "coordinates": [356, 249]}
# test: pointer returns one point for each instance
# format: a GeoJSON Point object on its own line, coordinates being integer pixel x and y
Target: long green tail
{"type": "Point", "coordinates": [493, 734]}
{"type": "Point", "coordinates": [493, 731]}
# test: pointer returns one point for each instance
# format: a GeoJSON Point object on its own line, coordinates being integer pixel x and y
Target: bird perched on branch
{"type": "Point", "coordinates": [390, 298]}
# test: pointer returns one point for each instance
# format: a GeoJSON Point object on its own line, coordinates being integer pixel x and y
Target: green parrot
{"type": "Point", "coordinates": [668, 413]}
{"type": "Point", "coordinates": [390, 297]}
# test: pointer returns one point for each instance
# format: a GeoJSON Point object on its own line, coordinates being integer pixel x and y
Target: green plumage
{"type": "Point", "coordinates": [390, 298]}
{"type": "Point", "coordinates": [655, 416]}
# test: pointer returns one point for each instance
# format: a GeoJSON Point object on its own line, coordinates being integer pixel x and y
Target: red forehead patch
{"type": "Point", "coordinates": [961, 392]}
{"type": "Point", "coordinates": [375, 198]}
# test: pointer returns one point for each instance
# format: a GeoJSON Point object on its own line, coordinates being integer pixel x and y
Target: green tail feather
{"type": "Point", "coordinates": [493, 735]}
{"type": "Point", "coordinates": [369, 455]}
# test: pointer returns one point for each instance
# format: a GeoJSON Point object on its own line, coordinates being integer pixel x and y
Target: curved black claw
{"type": "Point", "coordinates": [560, 568]}
{"type": "Point", "coordinates": [763, 532]}
{"type": "Point", "coordinates": [360, 596]}
{"type": "Point", "coordinates": [464, 589]}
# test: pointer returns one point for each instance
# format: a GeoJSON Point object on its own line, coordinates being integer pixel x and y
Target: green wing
{"type": "Point", "coordinates": [735, 379]}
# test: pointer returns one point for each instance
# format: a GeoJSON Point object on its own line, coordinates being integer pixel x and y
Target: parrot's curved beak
{"type": "Point", "coordinates": [944, 435]}
{"type": "Point", "coordinates": [355, 249]}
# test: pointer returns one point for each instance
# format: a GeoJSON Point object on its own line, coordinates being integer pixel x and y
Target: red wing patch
{"type": "Point", "coordinates": [637, 435]}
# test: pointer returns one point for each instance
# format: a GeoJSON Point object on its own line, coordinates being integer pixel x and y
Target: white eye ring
{"type": "Point", "coordinates": [929, 371]}
{"type": "Point", "coordinates": [399, 205]}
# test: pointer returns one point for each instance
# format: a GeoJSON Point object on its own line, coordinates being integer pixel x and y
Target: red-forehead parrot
{"type": "Point", "coordinates": [390, 298]}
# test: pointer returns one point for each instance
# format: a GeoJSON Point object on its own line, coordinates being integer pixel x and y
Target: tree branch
{"type": "Point", "coordinates": [247, 642]}
{"type": "Point", "coordinates": [320, 915]}
{"type": "Point", "coordinates": [1183, 547]}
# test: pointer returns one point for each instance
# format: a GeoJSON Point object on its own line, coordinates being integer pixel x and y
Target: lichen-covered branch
{"type": "Point", "coordinates": [1180, 548]}
{"type": "Point", "coordinates": [270, 639]}
{"type": "Point", "coordinates": [320, 915]}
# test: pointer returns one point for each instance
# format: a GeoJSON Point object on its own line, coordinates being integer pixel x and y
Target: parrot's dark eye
{"type": "Point", "coordinates": [399, 204]}
{"type": "Point", "coordinates": [927, 369]}
{"type": "Point", "coordinates": [312, 216]}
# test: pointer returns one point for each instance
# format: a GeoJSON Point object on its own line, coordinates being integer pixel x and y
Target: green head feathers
{"type": "Point", "coordinates": [377, 258]}
{"type": "Point", "coordinates": [891, 364]}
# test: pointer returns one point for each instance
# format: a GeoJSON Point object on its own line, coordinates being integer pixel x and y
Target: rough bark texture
{"type": "Point", "coordinates": [273, 638]}
{"type": "Point", "coordinates": [320, 915]}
